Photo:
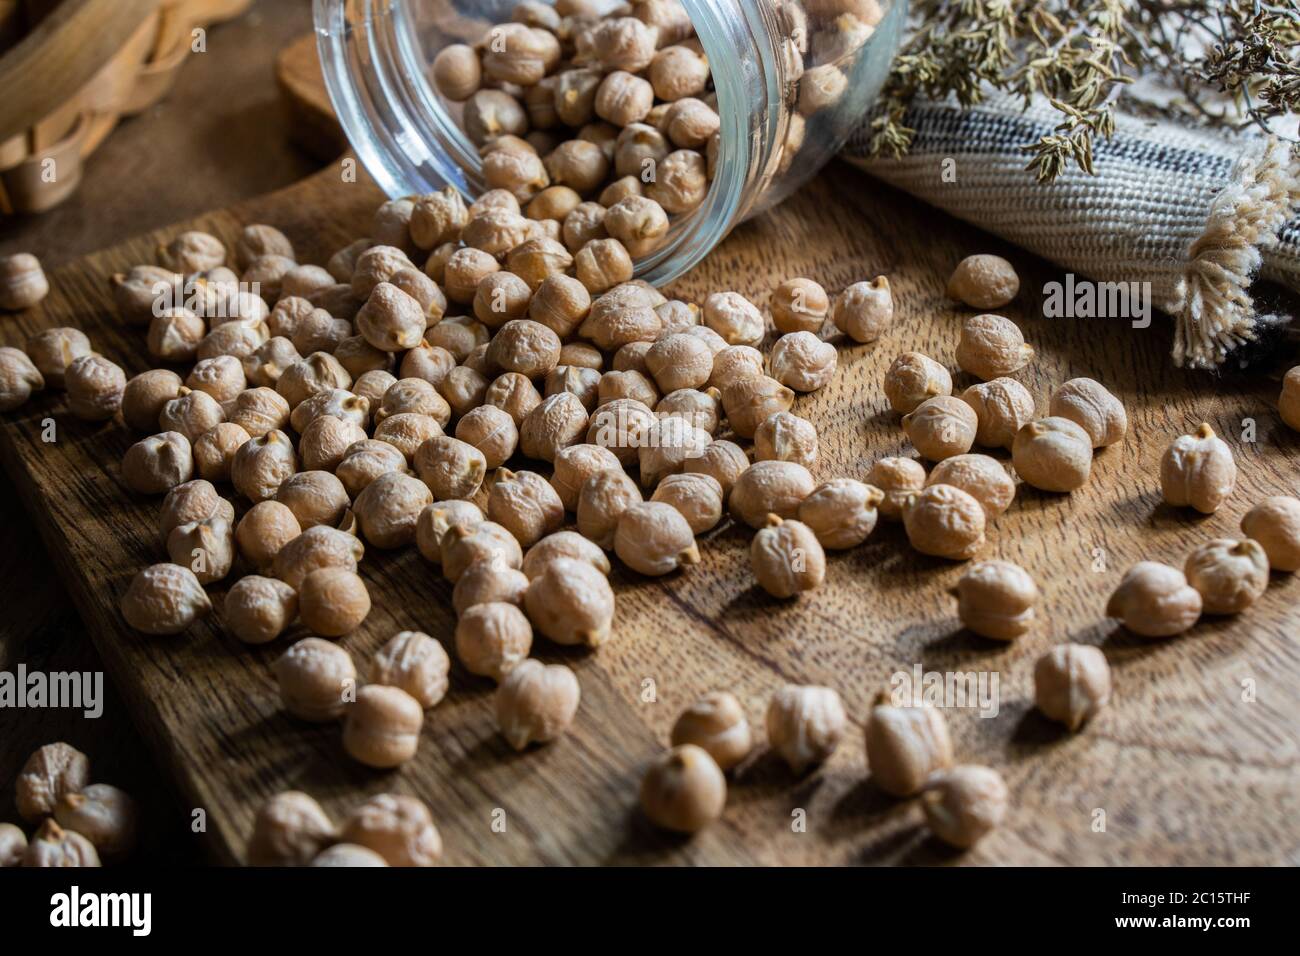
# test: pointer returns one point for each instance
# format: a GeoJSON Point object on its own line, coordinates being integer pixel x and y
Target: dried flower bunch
{"type": "Point", "coordinates": [1080, 55]}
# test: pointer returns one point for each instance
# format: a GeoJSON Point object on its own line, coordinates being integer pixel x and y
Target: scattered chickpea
{"type": "Point", "coordinates": [1053, 454]}
{"type": "Point", "coordinates": [723, 461]}
{"type": "Point", "coordinates": [799, 305]}
{"type": "Point", "coordinates": [842, 512]}
{"type": "Point", "coordinates": [602, 502]}
{"type": "Point", "coordinates": [1002, 407]}
{"type": "Point", "coordinates": [1072, 683]}
{"type": "Point", "coordinates": [265, 528]}
{"type": "Point", "coordinates": [996, 599]}
{"type": "Point", "coordinates": [1198, 470]}
{"type": "Point", "coordinates": [749, 402]}
{"type": "Point", "coordinates": [571, 602]}
{"type": "Point", "coordinates": [536, 703]}
{"type": "Point", "coordinates": [769, 487]}
{"type": "Point", "coordinates": [914, 378]}
{"type": "Point", "coordinates": [333, 601]}
{"type": "Point", "coordinates": [388, 508]}
{"type": "Point", "coordinates": [463, 544]}
{"type": "Point", "coordinates": [290, 829]}
{"type": "Point", "coordinates": [698, 497]}
{"type": "Point", "coordinates": [525, 503]}
{"type": "Point", "coordinates": [983, 478]}
{"type": "Point", "coordinates": [52, 846]}
{"type": "Point", "coordinates": [653, 538]}
{"type": "Point", "coordinates": [896, 478]}
{"type": "Point", "coordinates": [1288, 400]}
{"type": "Point", "coordinates": [22, 282]}
{"type": "Point", "coordinates": [865, 310]}
{"type": "Point", "coordinates": [942, 427]}
{"type": "Point", "coordinates": [805, 725]}
{"type": "Point", "coordinates": [316, 548]}
{"type": "Point", "coordinates": [944, 522]}
{"type": "Point", "coordinates": [1229, 575]}
{"type": "Point", "coordinates": [95, 386]}
{"type": "Point", "coordinates": [557, 422]}
{"type": "Point", "coordinates": [493, 638]}
{"type": "Point", "coordinates": [681, 182]}
{"type": "Point", "coordinates": [158, 463]}
{"type": "Point", "coordinates": [803, 362]}
{"type": "Point", "coordinates": [992, 346]}
{"type": "Point", "coordinates": [257, 610]}
{"type": "Point", "coordinates": [164, 599]}
{"type": "Point", "coordinates": [13, 845]}
{"type": "Point", "coordinates": [414, 662]}
{"type": "Point", "coordinates": [963, 804]}
{"type": "Point", "coordinates": [193, 501]}
{"type": "Point", "coordinates": [49, 774]}
{"type": "Point", "coordinates": [905, 745]}
{"type": "Point", "coordinates": [1089, 405]}
{"type": "Point", "coordinates": [315, 678]}
{"type": "Point", "coordinates": [1275, 524]}
{"type": "Point", "coordinates": [787, 558]}
{"type": "Point", "coordinates": [53, 350]}
{"type": "Point", "coordinates": [399, 828]}
{"type": "Point", "coordinates": [1155, 600]}
{"type": "Point", "coordinates": [684, 790]}
{"type": "Point", "coordinates": [381, 728]}
{"type": "Point", "coordinates": [786, 437]}
{"type": "Point", "coordinates": [206, 547]}
{"type": "Point", "coordinates": [489, 581]}
{"type": "Point", "coordinates": [716, 723]}
{"type": "Point", "coordinates": [436, 519]}
{"type": "Point", "coordinates": [104, 815]}
{"type": "Point", "coordinates": [984, 282]}
{"type": "Point", "coordinates": [261, 464]}
{"type": "Point", "coordinates": [563, 544]}
{"type": "Point", "coordinates": [450, 467]}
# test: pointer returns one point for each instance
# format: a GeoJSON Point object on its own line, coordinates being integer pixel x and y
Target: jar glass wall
{"type": "Point", "coordinates": [792, 78]}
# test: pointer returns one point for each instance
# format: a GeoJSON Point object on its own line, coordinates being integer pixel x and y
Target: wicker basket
{"type": "Point", "coordinates": [70, 70]}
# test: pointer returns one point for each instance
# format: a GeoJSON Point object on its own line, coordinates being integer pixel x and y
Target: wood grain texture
{"type": "Point", "coordinates": [1183, 768]}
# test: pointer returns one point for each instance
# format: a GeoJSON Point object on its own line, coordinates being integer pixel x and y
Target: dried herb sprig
{"type": "Point", "coordinates": [1079, 54]}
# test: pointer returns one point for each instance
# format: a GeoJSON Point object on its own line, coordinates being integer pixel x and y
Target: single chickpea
{"type": "Point", "coordinates": [536, 260]}
{"type": "Point", "coordinates": [266, 528]}
{"type": "Point", "coordinates": [261, 464]}
{"type": "Point", "coordinates": [317, 372]}
{"type": "Point", "coordinates": [316, 677]}
{"type": "Point", "coordinates": [465, 269]}
{"type": "Point", "coordinates": [553, 202]}
{"type": "Point", "coordinates": [158, 463]}
{"type": "Point", "coordinates": [905, 745]}
{"type": "Point", "coordinates": [865, 310]}
{"type": "Point", "coordinates": [702, 409]}
{"type": "Point", "coordinates": [638, 149]}
{"type": "Point", "coordinates": [164, 599]}
{"type": "Point", "coordinates": [525, 503]}
{"type": "Point", "coordinates": [1275, 524]}
{"type": "Point", "coordinates": [314, 497]}
{"type": "Point", "coordinates": [992, 346]}
{"type": "Point", "coordinates": [603, 500]}
{"type": "Point", "coordinates": [681, 182]}
{"type": "Point", "coordinates": [716, 723]}
{"type": "Point", "coordinates": [557, 422]}
{"type": "Point", "coordinates": [192, 252]}
{"type": "Point", "coordinates": [526, 347]}
{"type": "Point", "coordinates": [290, 829]}
{"type": "Point", "coordinates": [325, 441]}
{"type": "Point", "coordinates": [941, 427]}
{"type": "Point", "coordinates": [842, 512]}
{"type": "Point", "coordinates": [786, 437]}
{"type": "Point", "coordinates": [316, 548]}
{"type": "Point", "coordinates": [347, 855]}
{"type": "Point", "coordinates": [1229, 575]}
{"type": "Point", "coordinates": [330, 402]}
{"type": "Point", "coordinates": [333, 601]}
{"type": "Point", "coordinates": [787, 558]}
{"type": "Point", "coordinates": [191, 414]}
{"type": "Point", "coordinates": [486, 582]}
{"type": "Point", "coordinates": [1002, 407]}
{"type": "Point", "coordinates": [13, 845]}
{"type": "Point", "coordinates": [897, 478]}
{"type": "Point", "coordinates": [578, 164]}
{"type": "Point", "coordinates": [493, 638]}
{"type": "Point", "coordinates": [690, 122]}
{"type": "Point", "coordinates": [536, 703]}
{"type": "Point", "coordinates": [53, 846]}
{"type": "Point", "coordinates": [95, 386]}
{"type": "Point", "coordinates": [821, 87]}
{"type": "Point", "coordinates": [619, 43]}
{"type": "Point", "coordinates": [464, 389]}
{"type": "Point", "coordinates": [193, 501]}
{"type": "Point", "coordinates": [1288, 400]}
{"type": "Point", "coordinates": [639, 223]}
{"type": "Point", "coordinates": [174, 336]}
{"type": "Point", "coordinates": [1053, 454]}
{"type": "Point", "coordinates": [53, 350]}
{"type": "Point", "coordinates": [144, 396]}
{"type": "Point", "coordinates": [514, 394]}
{"type": "Point", "coordinates": [963, 804]}
{"type": "Point", "coordinates": [257, 610]}
{"type": "Point", "coordinates": [984, 282]}
{"type": "Point", "coordinates": [260, 410]}
{"type": "Point", "coordinates": [622, 426]}
{"type": "Point", "coordinates": [391, 320]}
{"type": "Point", "coordinates": [563, 544]}
{"type": "Point", "coordinates": [407, 431]}
{"type": "Point", "coordinates": [734, 363]}
{"type": "Point", "coordinates": [413, 396]}
{"type": "Point", "coordinates": [22, 282]}
{"type": "Point", "coordinates": [491, 431]}
{"type": "Point", "coordinates": [574, 465]}
{"type": "Point", "coordinates": [136, 292]}
{"type": "Point", "coordinates": [914, 378]}
{"type": "Point", "coordinates": [996, 599]}
{"type": "Point", "coordinates": [450, 467]}
{"type": "Point", "coordinates": [623, 98]}
{"type": "Point", "coordinates": [602, 264]}
{"type": "Point", "coordinates": [457, 73]}
{"type": "Point", "coordinates": [206, 547]}
{"type": "Point", "coordinates": [734, 317]}
{"type": "Point", "coordinates": [586, 223]}
{"type": "Point", "coordinates": [677, 72]}
{"type": "Point", "coordinates": [268, 362]}
{"type": "Point", "coordinates": [698, 497]}
{"type": "Point", "coordinates": [749, 402]}
{"type": "Point", "coordinates": [1198, 470]}
{"type": "Point", "coordinates": [803, 362]}
{"type": "Point", "coordinates": [1072, 683]}
{"type": "Point", "coordinates": [983, 478]}
{"type": "Point", "coordinates": [769, 487]}
{"type": "Point", "coordinates": [560, 303]}
{"type": "Point", "coordinates": [582, 382]}
{"type": "Point", "coordinates": [1094, 409]}
{"type": "Point", "coordinates": [398, 828]}
{"type": "Point", "coordinates": [495, 232]}
{"type": "Point", "coordinates": [415, 663]}
{"type": "Point", "coordinates": [571, 602]}
{"type": "Point", "coordinates": [799, 305]}
{"type": "Point", "coordinates": [436, 519]}
{"type": "Point", "coordinates": [49, 774]}
{"type": "Point", "coordinates": [388, 508]}
{"type": "Point", "coordinates": [805, 725]}
{"type": "Point", "coordinates": [488, 114]}
{"type": "Point", "coordinates": [944, 522]}
{"type": "Point", "coordinates": [464, 544]}
{"type": "Point", "coordinates": [678, 316]}
{"type": "Point", "coordinates": [104, 815]}
{"type": "Point", "coordinates": [653, 538]}
{"type": "Point", "coordinates": [1155, 600]}
{"type": "Point", "coordinates": [684, 790]}
{"type": "Point", "coordinates": [679, 361]}
{"type": "Point", "coordinates": [381, 728]}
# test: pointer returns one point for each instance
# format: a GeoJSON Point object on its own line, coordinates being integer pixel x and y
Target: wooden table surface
{"type": "Point", "coordinates": [1183, 766]}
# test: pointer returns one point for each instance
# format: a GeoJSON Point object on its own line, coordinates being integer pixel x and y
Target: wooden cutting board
{"type": "Point", "coordinates": [1195, 760]}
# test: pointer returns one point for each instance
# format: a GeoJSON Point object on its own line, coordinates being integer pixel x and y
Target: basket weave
{"type": "Point", "coordinates": [136, 77]}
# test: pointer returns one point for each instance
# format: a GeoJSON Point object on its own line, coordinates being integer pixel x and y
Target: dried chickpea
{"type": "Point", "coordinates": [865, 310]}
{"type": "Point", "coordinates": [983, 478]}
{"type": "Point", "coordinates": [622, 99]}
{"type": "Point", "coordinates": [373, 384]}
{"type": "Point", "coordinates": [53, 846]}
{"type": "Point", "coordinates": [582, 382]}
{"type": "Point", "coordinates": [486, 582]}
{"type": "Point", "coordinates": [316, 548]}
{"type": "Point", "coordinates": [621, 426]}
{"type": "Point", "coordinates": [684, 790]}
{"type": "Point", "coordinates": [842, 512]}
{"type": "Point", "coordinates": [536, 703]}
{"type": "Point", "coordinates": [415, 663]}
{"type": "Point", "coordinates": [984, 282]}
{"type": "Point", "coordinates": [992, 346]}
{"type": "Point", "coordinates": [681, 182]}
{"type": "Point", "coordinates": [525, 504]}
{"type": "Point", "coordinates": [586, 223]}
{"type": "Point", "coordinates": [260, 410]}
{"type": "Point", "coordinates": [192, 252]}
{"type": "Point", "coordinates": [493, 638]}
{"type": "Point", "coordinates": [464, 544]}
{"type": "Point", "coordinates": [1155, 600]}
{"type": "Point", "coordinates": [95, 386]}
{"type": "Point", "coordinates": [944, 522]}
{"type": "Point", "coordinates": [787, 558]}
{"type": "Point", "coordinates": [716, 723]}
{"type": "Point", "coordinates": [733, 317]}
{"type": "Point", "coordinates": [164, 599]}
{"type": "Point", "coordinates": [1288, 400]}
{"type": "Point", "coordinates": [488, 114]}
{"type": "Point", "coordinates": [519, 171]}
{"type": "Point", "coordinates": [407, 431]}
{"type": "Point", "coordinates": [327, 403]}
{"type": "Point", "coordinates": [463, 389]}
{"type": "Point", "coordinates": [602, 264]}
{"type": "Point", "coordinates": [193, 501]}
{"type": "Point", "coordinates": [158, 463]}
{"type": "Point", "coordinates": [317, 372]}
{"type": "Point", "coordinates": [690, 122]}
{"type": "Point", "coordinates": [1275, 524]}
{"type": "Point", "coordinates": [326, 440]}
{"type": "Point", "coordinates": [333, 601]}
{"type": "Point", "coordinates": [214, 450]}
{"type": "Point", "coordinates": [314, 497]}
{"type": "Point", "coordinates": [1072, 683]}
{"type": "Point", "coordinates": [450, 467]}
{"type": "Point", "coordinates": [897, 478]}
{"type": "Point", "coordinates": [144, 396]}
{"type": "Point", "coordinates": [803, 362]}
{"type": "Point", "coordinates": [941, 427]}
{"type": "Point", "coordinates": [49, 774]}
{"type": "Point", "coordinates": [1002, 407]}
{"type": "Point", "coordinates": [639, 223]}
{"type": "Point", "coordinates": [413, 396]}
{"type": "Point", "coordinates": [1229, 575]}
{"type": "Point", "coordinates": [261, 464]}
{"type": "Point", "coordinates": [174, 336]}
{"type": "Point", "coordinates": [553, 202]}
{"type": "Point", "coordinates": [559, 421]}
{"type": "Point", "coordinates": [206, 547]}
{"type": "Point", "coordinates": [805, 725]}
{"type": "Point", "coordinates": [769, 487]}
{"type": "Point", "coordinates": [799, 305]}
{"type": "Point", "coordinates": [914, 378]}
{"type": "Point", "coordinates": [733, 363]}
{"type": "Point", "coordinates": [749, 402]}
{"type": "Point", "coordinates": [560, 303]}
{"type": "Point", "coordinates": [677, 72]}
{"type": "Point", "coordinates": [786, 437]}
{"type": "Point", "coordinates": [905, 745]}
{"type": "Point", "coordinates": [436, 519]}
{"type": "Point", "coordinates": [104, 815]}
{"type": "Point", "coordinates": [266, 528]}
{"type": "Point", "coordinates": [574, 465]}
{"type": "Point", "coordinates": [388, 508]}
{"type": "Point", "coordinates": [653, 538]}
{"type": "Point", "coordinates": [963, 804]}
{"type": "Point", "coordinates": [698, 497]}
{"type": "Point", "coordinates": [563, 544]}
{"type": "Point", "coordinates": [602, 502]}
{"type": "Point", "coordinates": [257, 610]}
{"type": "Point", "coordinates": [1053, 454]}
{"type": "Point", "coordinates": [398, 828]}
{"type": "Point", "coordinates": [1198, 470]}
{"type": "Point", "coordinates": [191, 414]}
{"type": "Point", "coordinates": [290, 829]}
{"type": "Point", "coordinates": [381, 728]}
{"type": "Point", "coordinates": [723, 461]}
{"type": "Point", "coordinates": [268, 362]}
{"type": "Point", "coordinates": [996, 599]}
{"type": "Point", "coordinates": [702, 409]}
{"type": "Point", "coordinates": [347, 855]}
{"type": "Point", "coordinates": [571, 602]}
{"type": "Point", "coordinates": [514, 394]}
{"type": "Point", "coordinates": [391, 320]}
{"type": "Point", "coordinates": [457, 73]}
{"type": "Point", "coordinates": [1089, 405]}
{"type": "Point", "coordinates": [22, 282]}
{"type": "Point", "coordinates": [526, 347]}
{"type": "Point", "coordinates": [53, 350]}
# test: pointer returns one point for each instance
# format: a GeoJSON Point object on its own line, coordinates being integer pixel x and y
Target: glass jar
{"type": "Point", "coordinates": [792, 79]}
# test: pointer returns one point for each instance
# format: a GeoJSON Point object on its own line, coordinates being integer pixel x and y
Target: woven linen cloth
{"type": "Point", "coordinates": [1195, 214]}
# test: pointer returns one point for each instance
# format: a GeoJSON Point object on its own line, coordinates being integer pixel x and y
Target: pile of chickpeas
{"type": "Point", "coordinates": [489, 384]}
